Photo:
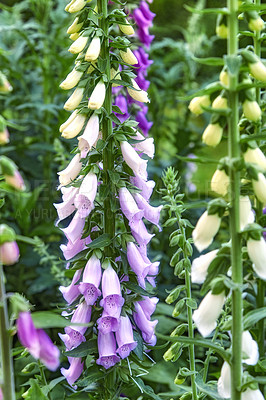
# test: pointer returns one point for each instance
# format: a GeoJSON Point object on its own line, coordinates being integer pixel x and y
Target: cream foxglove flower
{"type": "Point", "coordinates": [74, 128]}
{"type": "Point", "coordinates": [68, 121]}
{"type": "Point", "coordinates": [207, 313]}
{"type": "Point", "coordinates": [137, 93]}
{"type": "Point", "coordinates": [128, 57]}
{"type": "Point", "coordinates": [89, 136]}
{"type": "Point", "coordinates": [71, 80]}
{"type": "Point", "coordinates": [97, 97]}
{"type": "Point", "coordinates": [195, 106]}
{"type": "Point", "coordinates": [74, 99]}
{"type": "Point", "coordinates": [200, 265]}
{"type": "Point", "coordinates": [205, 230]}
{"type": "Point", "coordinates": [250, 394]}
{"type": "Point", "coordinates": [259, 187]}
{"type": "Point", "coordinates": [70, 172]}
{"type": "Point", "coordinates": [251, 110]}
{"type": "Point", "coordinates": [126, 28]}
{"type": "Point", "coordinates": [78, 45]}
{"type": "Point", "coordinates": [256, 24]}
{"type": "Point", "coordinates": [212, 135]}
{"type": "Point", "coordinates": [220, 103]}
{"type": "Point", "coordinates": [255, 156]}
{"type": "Point", "coordinates": [249, 349]}
{"type": "Point", "coordinates": [245, 212]}
{"type": "Point", "coordinates": [93, 50]}
{"type": "Point", "coordinates": [224, 78]}
{"type": "Point", "coordinates": [146, 145]}
{"type": "Point", "coordinates": [257, 254]}
{"type": "Point", "coordinates": [75, 26]}
{"type": "Point", "coordinates": [258, 70]}
{"type": "Point", "coordinates": [133, 160]}
{"type": "Point", "coordinates": [77, 5]}
{"type": "Point", "coordinates": [220, 182]}
{"type": "Point", "coordinates": [224, 382]}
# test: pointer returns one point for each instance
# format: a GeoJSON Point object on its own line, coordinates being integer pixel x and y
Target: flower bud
{"type": "Point", "coordinates": [128, 57]}
{"type": "Point", "coordinates": [93, 50]}
{"type": "Point", "coordinates": [138, 94]}
{"type": "Point", "coordinates": [250, 352]}
{"type": "Point", "coordinates": [255, 156]}
{"type": "Point", "coordinates": [77, 5]}
{"type": "Point", "coordinates": [74, 99]}
{"type": "Point", "coordinates": [251, 110]}
{"type": "Point", "coordinates": [224, 78]}
{"type": "Point", "coordinates": [68, 121]}
{"type": "Point", "coordinates": [245, 212]}
{"type": "Point", "coordinates": [74, 36]}
{"type": "Point", "coordinates": [224, 382]}
{"type": "Point", "coordinates": [5, 86]}
{"type": "Point", "coordinates": [78, 45]}
{"type": "Point", "coordinates": [70, 172]}
{"type": "Point", "coordinates": [259, 187]}
{"type": "Point", "coordinates": [257, 254]}
{"type": "Point", "coordinates": [74, 128]}
{"type": "Point", "coordinates": [220, 103]}
{"type": "Point", "coordinates": [126, 28]}
{"type": "Point", "coordinates": [16, 181]}
{"type": "Point", "coordinates": [212, 135]}
{"type": "Point", "coordinates": [4, 136]}
{"type": "Point", "coordinates": [205, 230]}
{"type": "Point", "coordinates": [75, 26]}
{"type": "Point", "coordinates": [222, 31]}
{"type": "Point", "coordinates": [97, 97]}
{"type": "Point", "coordinates": [258, 70]}
{"type": "Point", "coordinates": [115, 74]}
{"type": "Point", "coordinates": [220, 182]}
{"type": "Point", "coordinates": [250, 394]}
{"type": "Point", "coordinates": [71, 80]}
{"type": "Point", "coordinates": [256, 24]}
{"type": "Point", "coordinates": [9, 251]}
{"type": "Point", "coordinates": [195, 106]}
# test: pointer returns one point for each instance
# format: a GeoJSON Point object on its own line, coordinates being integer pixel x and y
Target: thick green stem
{"type": "Point", "coordinates": [234, 193]}
{"type": "Point", "coordinates": [108, 158]}
{"type": "Point", "coordinates": [8, 386]}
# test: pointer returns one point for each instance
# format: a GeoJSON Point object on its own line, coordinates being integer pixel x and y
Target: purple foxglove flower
{"type": "Point", "coordinates": [9, 253]}
{"type": "Point", "coordinates": [121, 102]}
{"type": "Point", "coordinates": [67, 207]}
{"type": "Point", "coordinates": [107, 324]}
{"type": "Point", "coordinates": [142, 82]}
{"type": "Point", "coordinates": [74, 371]}
{"type": "Point", "coordinates": [87, 193]}
{"type": "Point", "coordinates": [74, 230]}
{"type": "Point", "coordinates": [70, 250]}
{"type": "Point", "coordinates": [144, 36]}
{"type": "Point", "coordinates": [144, 124]}
{"type": "Point", "coordinates": [152, 341]}
{"type": "Point", "coordinates": [144, 324]}
{"type": "Point", "coordinates": [146, 187]}
{"type": "Point", "coordinates": [151, 281]}
{"type": "Point", "coordinates": [137, 264]}
{"type": "Point", "coordinates": [112, 301]}
{"type": "Point", "coordinates": [71, 292]}
{"type": "Point", "coordinates": [49, 353]}
{"type": "Point", "coordinates": [140, 233]}
{"type": "Point", "coordinates": [141, 19]}
{"type": "Point", "coordinates": [133, 160]}
{"type": "Point", "coordinates": [151, 213]}
{"type": "Point", "coordinates": [147, 13]}
{"type": "Point", "coordinates": [145, 145]}
{"type": "Point", "coordinates": [91, 280]}
{"type": "Point", "coordinates": [107, 350]}
{"type": "Point", "coordinates": [124, 338]}
{"type": "Point", "coordinates": [148, 305]}
{"type": "Point", "coordinates": [90, 136]}
{"type": "Point", "coordinates": [129, 206]}
{"type": "Point", "coordinates": [27, 333]}
{"type": "Point", "coordinates": [143, 60]}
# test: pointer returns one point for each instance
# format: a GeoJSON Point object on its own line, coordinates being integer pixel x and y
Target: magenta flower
{"type": "Point", "coordinates": [107, 324]}
{"type": "Point", "coordinates": [71, 292]}
{"type": "Point", "coordinates": [151, 213]}
{"type": "Point", "coordinates": [112, 301]}
{"type": "Point", "coordinates": [146, 187]}
{"type": "Point", "coordinates": [144, 124]}
{"type": "Point", "coordinates": [107, 350]}
{"type": "Point", "coordinates": [70, 250]}
{"type": "Point", "coordinates": [128, 205]}
{"type": "Point", "coordinates": [146, 326]}
{"type": "Point", "coordinates": [140, 233]}
{"type": "Point", "coordinates": [124, 338]}
{"type": "Point", "coordinates": [137, 264]}
{"type": "Point", "coordinates": [91, 280]}
{"type": "Point", "coordinates": [37, 342]}
{"type": "Point", "coordinates": [148, 305]}
{"type": "Point", "coordinates": [74, 371]}
{"type": "Point", "coordinates": [121, 102]}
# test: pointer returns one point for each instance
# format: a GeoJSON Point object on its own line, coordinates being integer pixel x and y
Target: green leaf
{"type": "Point", "coordinates": [223, 10]}
{"type": "Point", "coordinates": [94, 375]}
{"type": "Point", "coordinates": [114, 176]}
{"type": "Point", "coordinates": [191, 303]}
{"type": "Point", "coordinates": [46, 389]}
{"type": "Point", "coordinates": [146, 389]}
{"type": "Point", "coordinates": [47, 319]}
{"type": "Point", "coordinates": [217, 61]}
{"type": "Point", "coordinates": [35, 391]}
{"type": "Point", "coordinates": [101, 242]}
{"type": "Point", "coordinates": [210, 389]}
{"type": "Point", "coordinates": [139, 349]}
{"type": "Point", "coordinates": [252, 317]}
{"type": "Point", "coordinates": [137, 289]}
{"type": "Point", "coordinates": [2, 202]}
{"type": "Point", "coordinates": [85, 348]}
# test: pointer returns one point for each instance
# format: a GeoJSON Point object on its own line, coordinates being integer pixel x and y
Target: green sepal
{"type": "Point", "coordinates": [218, 285]}
{"type": "Point", "coordinates": [7, 166]}
{"type": "Point", "coordinates": [252, 231]}
{"type": "Point", "coordinates": [217, 206]}
{"type": "Point", "coordinates": [179, 307]}
{"type": "Point", "coordinates": [174, 294]}
{"type": "Point", "coordinates": [7, 234]}
{"type": "Point", "coordinates": [19, 304]}
{"type": "Point", "coordinates": [2, 123]}
{"type": "Point", "coordinates": [249, 57]}
{"type": "Point", "coordinates": [233, 64]}
{"type": "Point", "coordinates": [252, 172]}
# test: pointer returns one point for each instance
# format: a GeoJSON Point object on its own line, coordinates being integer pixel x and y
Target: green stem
{"type": "Point", "coordinates": [108, 158]}
{"type": "Point", "coordinates": [209, 353]}
{"type": "Point", "coordinates": [8, 386]}
{"type": "Point", "coordinates": [234, 193]}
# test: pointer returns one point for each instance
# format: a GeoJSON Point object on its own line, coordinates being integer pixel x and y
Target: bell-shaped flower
{"type": "Point", "coordinates": [126, 28]}
{"type": "Point", "coordinates": [128, 205]}
{"type": "Point", "coordinates": [246, 215]}
{"type": "Point", "coordinates": [255, 156]}
{"type": "Point", "coordinates": [257, 254]}
{"type": "Point", "coordinates": [140, 233]}
{"type": "Point", "coordinates": [151, 213]}
{"type": "Point", "coordinates": [74, 334]}
{"type": "Point", "coordinates": [146, 326]}
{"type": "Point", "coordinates": [112, 301]}
{"type": "Point", "coordinates": [144, 145]}
{"type": "Point", "coordinates": [107, 350]}
{"type": "Point", "coordinates": [148, 305]}
{"type": "Point", "coordinates": [74, 36]}
{"type": "Point", "coordinates": [258, 70]}
{"type": "Point", "coordinates": [205, 230]}
{"type": "Point", "coordinates": [90, 136]}
{"type": "Point", "coordinates": [75, 126]}
{"type": "Point", "coordinates": [259, 187]}
{"type": "Point", "coordinates": [74, 99]}
{"type": "Point", "coordinates": [212, 135]}
{"type": "Point", "coordinates": [67, 207]}
{"type": "Point", "coordinates": [250, 349]}
{"type": "Point", "coordinates": [9, 253]}
{"type": "Point", "coordinates": [97, 97]}
{"type": "Point", "coordinates": [133, 160]}
{"type": "Point", "coordinates": [74, 371]}
{"type": "Point", "coordinates": [220, 102]}
{"type": "Point", "coordinates": [68, 121]}
{"type": "Point", "coordinates": [128, 57]}
{"type": "Point", "coordinates": [71, 292]}
{"type": "Point", "coordinates": [146, 187]}
{"type": "Point", "coordinates": [137, 264]}
{"type": "Point", "coordinates": [107, 323]}
{"type": "Point", "coordinates": [207, 313]}
{"type": "Point", "coordinates": [78, 45]}
{"type": "Point", "coordinates": [75, 26]}
{"type": "Point", "coordinates": [251, 110]}
{"type": "Point", "coordinates": [71, 80]}
{"type": "Point", "coordinates": [70, 250]}
{"type": "Point", "coordinates": [251, 394]}
{"type": "Point", "coordinates": [15, 180]}
{"type": "Point", "coordinates": [84, 200]}
{"type": "Point", "coordinates": [137, 94]}
{"type": "Point", "coordinates": [91, 279]}
{"type": "Point", "coordinates": [220, 182]}
{"type": "Point", "coordinates": [49, 353]}
{"type": "Point", "coordinates": [195, 106]}
{"type": "Point", "coordinates": [93, 50]}
{"type": "Point", "coordinates": [74, 230]}
{"type": "Point", "coordinates": [224, 382]}
{"type": "Point", "coordinates": [124, 338]}
{"type": "Point", "coordinates": [78, 5]}
{"type": "Point", "coordinates": [200, 265]}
